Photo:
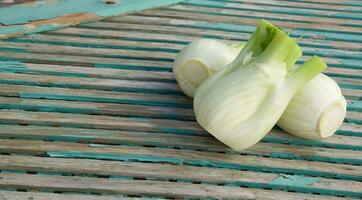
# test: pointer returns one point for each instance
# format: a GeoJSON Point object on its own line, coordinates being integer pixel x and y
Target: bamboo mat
{"type": "Point", "coordinates": [93, 111]}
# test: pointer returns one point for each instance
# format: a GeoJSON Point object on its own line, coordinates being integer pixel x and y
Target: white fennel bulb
{"type": "Point", "coordinates": [199, 59]}
{"type": "Point", "coordinates": [316, 111]}
{"type": "Point", "coordinates": [242, 102]}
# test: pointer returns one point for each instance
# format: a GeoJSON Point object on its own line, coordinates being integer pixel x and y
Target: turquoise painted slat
{"type": "Point", "coordinates": [327, 52]}
{"type": "Point", "coordinates": [295, 183]}
{"type": "Point", "coordinates": [306, 32]}
{"type": "Point", "coordinates": [43, 10]}
{"type": "Point", "coordinates": [205, 163]}
{"type": "Point", "coordinates": [325, 33]}
{"type": "Point", "coordinates": [225, 5]}
{"type": "Point", "coordinates": [20, 14]}
{"type": "Point", "coordinates": [292, 4]}
{"type": "Point", "coordinates": [326, 3]}
{"type": "Point", "coordinates": [343, 57]}
{"type": "Point", "coordinates": [272, 9]}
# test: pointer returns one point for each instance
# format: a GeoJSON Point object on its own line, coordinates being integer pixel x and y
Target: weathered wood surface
{"type": "Point", "coordinates": [158, 171]}
{"type": "Point", "coordinates": [177, 156]}
{"type": "Point", "coordinates": [93, 111]}
{"type": "Point", "coordinates": [142, 187]}
{"type": "Point", "coordinates": [8, 195]}
{"type": "Point", "coordinates": [38, 16]}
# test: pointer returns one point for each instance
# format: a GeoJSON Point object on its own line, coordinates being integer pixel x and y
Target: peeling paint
{"type": "Point", "coordinates": [294, 180]}
{"type": "Point", "coordinates": [52, 15]}
{"type": "Point", "coordinates": [41, 10]}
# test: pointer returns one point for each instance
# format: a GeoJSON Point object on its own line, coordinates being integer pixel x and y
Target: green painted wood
{"type": "Point", "coordinates": [42, 16]}
{"type": "Point", "coordinates": [184, 157]}
{"type": "Point", "coordinates": [143, 187]}
{"type": "Point", "coordinates": [182, 173]}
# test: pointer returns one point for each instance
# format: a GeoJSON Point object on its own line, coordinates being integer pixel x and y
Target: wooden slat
{"type": "Point", "coordinates": [302, 5]}
{"type": "Point", "coordinates": [276, 136]}
{"type": "Point", "coordinates": [112, 53]}
{"type": "Point", "coordinates": [34, 18]}
{"type": "Point", "coordinates": [102, 96]}
{"type": "Point", "coordinates": [86, 61]}
{"type": "Point", "coordinates": [350, 129]}
{"type": "Point", "coordinates": [44, 55]}
{"type": "Point", "coordinates": [282, 9]}
{"type": "Point", "coordinates": [180, 22]}
{"type": "Point", "coordinates": [162, 125]}
{"type": "Point", "coordinates": [86, 71]}
{"type": "Point", "coordinates": [128, 86]}
{"type": "Point", "coordinates": [213, 33]}
{"type": "Point", "coordinates": [342, 72]}
{"type": "Point", "coordinates": [90, 83]}
{"type": "Point", "coordinates": [354, 117]}
{"type": "Point", "coordinates": [122, 34]}
{"type": "Point", "coordinates": [109, 97]}
{"type": "Point", "coordinates": [257, 13]}
{"type": "Point", "coordinates": [277, 14]}
{"type": "Point", "coordinates": [140, 187]}
{"type": "Point", "coordinates": [123, 74]}
{"type": "Point", "coordinates": [94, 95]}
{"type": "Point", "coordinates": [186, 157]}
{"type": "Point", "coordinates": [177, 38]}
{"type": "Point", "coordinates": [8, 195]}
{"type": "Point", "coordinates": [101, 42]}
{"type": "Point", "coordinates": [95, 108]}
{"type": "Point", "coordinates": [171, 172]}
{"type": "Point", "coordinates": [101, 122]}
{"type": "Point", "coordinates": [202, 141]}
{"type": "Point", "coordinates": [171, 47]}
{"type": "Point", "coordinates": [327, 3]}
{"type": "Point", "coordinates": [113, 109]}
{"type": "Point", "coordinates": [146, 54]}
{"type": "Point", "coordinates": [120, 85]}
{"type": "Point", "coordinates": [252, 22]}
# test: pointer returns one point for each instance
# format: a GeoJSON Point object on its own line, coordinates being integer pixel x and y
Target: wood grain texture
{"type": "Point", "coordinates": [200, 141]}
{"type": "Point", "coordinates": [177, 156]}
{"type": "Point", "coordinates": [164, 171]}
{"type": "Point", "coordinates": [7, 195]}
{"type": "Point", "coordinates": [151, 188]}
{"type": "Point", "coordinates": [93, 111]}
{"type": "Point", "coordinates": [36, 17]}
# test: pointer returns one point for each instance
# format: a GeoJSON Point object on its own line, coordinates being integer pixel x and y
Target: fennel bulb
{"type": "Point", "coordinates": [242, 102]}
{"type": "Point", "coordinates": [316, 111]}
{"type": "Point", "coordinates": [199, 59]}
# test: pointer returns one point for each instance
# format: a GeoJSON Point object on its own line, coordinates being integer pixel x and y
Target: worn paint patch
{"type": "Point", "coordinates": [131, 67]}
{"type": "Point", "coordinates": [79, 136]}
{"type": "Point", "coordinates": [206, 163]}
{"type": "Point", "coordinates": [294, 180]}
{"type": "Point", "coordinates": [120, 157]}
{"type": "Point", "coordinates": [354, 105]}
{"type": "Point", "coordinates": [179, 131]}
{"type": "Point", "coordinates": [12, 63]}
{"type": "Point", "coordinates": [52, 15]}
{"type": "Point", "coordinates": [24, 13]}
{"type": "Point", "coordinates": [11, 29]}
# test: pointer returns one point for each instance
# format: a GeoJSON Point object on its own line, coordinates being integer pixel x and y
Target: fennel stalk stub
{"type": "Point", "coordinates": [242, 102]}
